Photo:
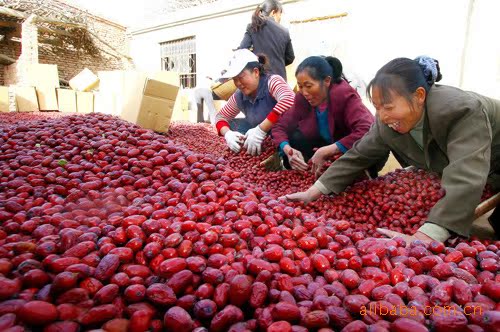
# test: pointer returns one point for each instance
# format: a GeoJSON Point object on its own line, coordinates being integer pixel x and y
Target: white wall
{"type": "Point", "coordinates": [373, 33]}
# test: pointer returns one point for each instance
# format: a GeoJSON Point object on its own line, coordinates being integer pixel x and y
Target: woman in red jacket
{"type": "Point", "coordinates": [326, 119]}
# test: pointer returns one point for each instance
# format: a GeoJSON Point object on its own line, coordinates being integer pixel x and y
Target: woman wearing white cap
{"type": "Point", "coordinates": [262, 98]}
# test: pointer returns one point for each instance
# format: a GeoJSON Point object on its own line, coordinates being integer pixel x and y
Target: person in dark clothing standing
{"type": "Point", "coordinates": [265, 35]}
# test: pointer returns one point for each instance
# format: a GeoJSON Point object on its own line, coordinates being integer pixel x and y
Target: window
{"type": "Point", "coordinates": [180, 56]}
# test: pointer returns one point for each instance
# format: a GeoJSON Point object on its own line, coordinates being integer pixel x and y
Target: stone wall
{"type": "Point", "coordinates": [70, 62]}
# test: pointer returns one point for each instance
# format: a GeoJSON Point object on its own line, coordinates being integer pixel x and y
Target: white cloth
{"type": "Point", "coordinates": [205, 95]}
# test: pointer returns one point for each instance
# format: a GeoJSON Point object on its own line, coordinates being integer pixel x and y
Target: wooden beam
{"type": "Point", "coordinates": [62, 23]}
{"type": "Point", "coordinates": [322, 18]}
{"type": "Point", "coordinates": [55, 31]}
{"type": "Point", "coordinates": [6, 60]}
{"type": "Point", "coordinates": [12, 12]}
{"type": "Point", "coordinates": [9, 24]}
{"type": "Point", "coordinates": [111, 47]}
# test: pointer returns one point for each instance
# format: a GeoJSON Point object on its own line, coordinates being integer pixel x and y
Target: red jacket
{"type": "Point", "coordinates": [348, 117]}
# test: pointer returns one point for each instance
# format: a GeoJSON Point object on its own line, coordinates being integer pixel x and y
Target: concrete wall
{"type": "Point", "coordinates": [372, 33]}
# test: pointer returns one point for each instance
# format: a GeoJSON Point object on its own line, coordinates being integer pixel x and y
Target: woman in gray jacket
{"type": "Point", "coordinates": [434, 127]}
{"type": "Point", "coordinates": [267, 36]}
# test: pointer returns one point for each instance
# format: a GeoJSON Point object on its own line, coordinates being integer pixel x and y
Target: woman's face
{"type": "Point", "coordinates": [397, 113]}
{"type": "Point", "coordinates": [313, 90]}
{"type": "Point", "coordinates": [248, 82]}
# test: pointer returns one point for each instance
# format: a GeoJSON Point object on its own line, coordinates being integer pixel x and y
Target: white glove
{"type": "Point", "coordinates": [234, 140]}
{"type": "Point", "coordinates": [253, 140]}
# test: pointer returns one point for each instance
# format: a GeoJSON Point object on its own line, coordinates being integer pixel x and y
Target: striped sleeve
{"type": "Point", "coordinates": [228, 112]}
{"type": "Point", "coordinates": [284, 96]}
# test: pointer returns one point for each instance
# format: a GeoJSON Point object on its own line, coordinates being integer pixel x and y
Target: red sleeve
{"type": "Point", "coordinates": [282, 93]}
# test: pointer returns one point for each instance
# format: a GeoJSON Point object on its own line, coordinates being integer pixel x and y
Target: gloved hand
{"type": "Point", "coordinates": [234, 140]}
{"type": "Point", "coordinates": [253, 140]}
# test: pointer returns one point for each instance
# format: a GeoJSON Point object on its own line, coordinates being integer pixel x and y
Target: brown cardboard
{"type": "Point", "coordinates": [84, 102]}
{"type": "Point", "coordinates": [218, 104]}
{"type": "Point", "coordinates": [224, 90]}
{"type": "Point", "coordinates": [47, 98]}
{"type": "Point", "coordinates": [38, 74]}
{"type": "Point", "coordinates": [4, 99]}
{"type": "Point", "coordinates": [86, 80]}
{"type": "Point", "coordinates": [181, 109]}
{"type": "Point", "coordinates": [155, 113]}
{"type": "Point", "coordinates": [146, 99]}
{"type": "Point", "coordinates": [26, 99]}
{"type": "Point", "coordinates": [156, 104]}
{"type": "Point", "coordinates": [290, 76]}
{"type": "Point", "coordinates": [67, 100]}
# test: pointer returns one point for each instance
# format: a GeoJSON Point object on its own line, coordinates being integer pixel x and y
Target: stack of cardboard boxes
{"type": "Point", "coordinates": [149, 100]}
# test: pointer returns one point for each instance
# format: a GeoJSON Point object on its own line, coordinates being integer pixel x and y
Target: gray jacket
{"type": "Point", "coordinates": [274, 41]}
{"type": "Point", "coordinates": [461, 143]}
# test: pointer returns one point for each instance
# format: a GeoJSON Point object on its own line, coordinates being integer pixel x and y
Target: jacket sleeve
{"type": "Point", "coordinates": [365, 153]}
{"type": "Point", "coordinates": [469, 152]}
{"type": "Point", "coordinates": [247, 41]}
{"type": "Point", "coordinates": [356, 117]}
{"type": "Point", "coordinates": [288, 122]}
{"type": "Point", "coordinates": [289, 54]}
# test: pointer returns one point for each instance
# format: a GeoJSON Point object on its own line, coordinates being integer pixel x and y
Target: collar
{"type": "Point", "coordinates": [420, 124]}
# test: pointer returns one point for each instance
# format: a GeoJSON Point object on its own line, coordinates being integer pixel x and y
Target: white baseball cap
{"type": "Point", "coordinates": [238, 62]}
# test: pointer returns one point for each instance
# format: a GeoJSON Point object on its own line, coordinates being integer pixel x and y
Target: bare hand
{"type": "Point", "coordinates": [296, 160]}
{"type": "Point", "coordinates": [407, 238]}
{"type": "Point", "coordinates": [308, 196]}
{"type": "Point", "coordinates": [321, 156]}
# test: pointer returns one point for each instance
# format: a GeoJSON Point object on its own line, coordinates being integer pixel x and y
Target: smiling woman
{"type": "Point", "coordinates": [327, 117]}
{"type": "Point", "coordinates": [434, 127]}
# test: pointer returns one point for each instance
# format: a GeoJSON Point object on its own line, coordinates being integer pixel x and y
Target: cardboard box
{"type": "Point", "coordinates": [105, 102]}
{"type": "Point", "coordinates": [153, 107]}
{"type": "Point", "coordinates": [26, 99]}
{"type": "Point", "coordinates": [157, 105]}
{"type": "Point", "coordinates": [4, 99]}
{"type": "Point", "coordinates": [67, 100]}
{"type": "Point", "coordinates": [86, 80]}
{"type": "Point", "coordinates": [146, 99]}
{"type": "Point", "coordinates": [84, 102]}
{"type": "Point", "coordinates": [47, 98]}
{"type": "Point", "coordinates": [42, 75]}
{"type": "Point", "coordinates": [112, 81]}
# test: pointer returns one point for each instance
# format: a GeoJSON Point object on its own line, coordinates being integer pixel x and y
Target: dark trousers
{"type": "Point", "coordinates": [494, 220]}
{"type": "Point", "coordinates": [307, 147]}
{"type": "Point", "coordinates": [199, 107]}
{"type": "Point", "coordinates": [494, 181]}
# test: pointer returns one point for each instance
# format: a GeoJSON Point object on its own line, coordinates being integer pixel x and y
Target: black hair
{"type": "Point", "coordinates": [320, 67]}
{"type": "Point", "coordinates": [262, 12]}
{"type": "Point", "coordinates": [404, 76]}
{"type": "Point", "coordinates": [262, 64]}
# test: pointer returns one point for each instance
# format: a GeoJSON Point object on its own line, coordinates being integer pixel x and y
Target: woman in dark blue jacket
{"type": "Point", "coordinates": [266, 36]}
